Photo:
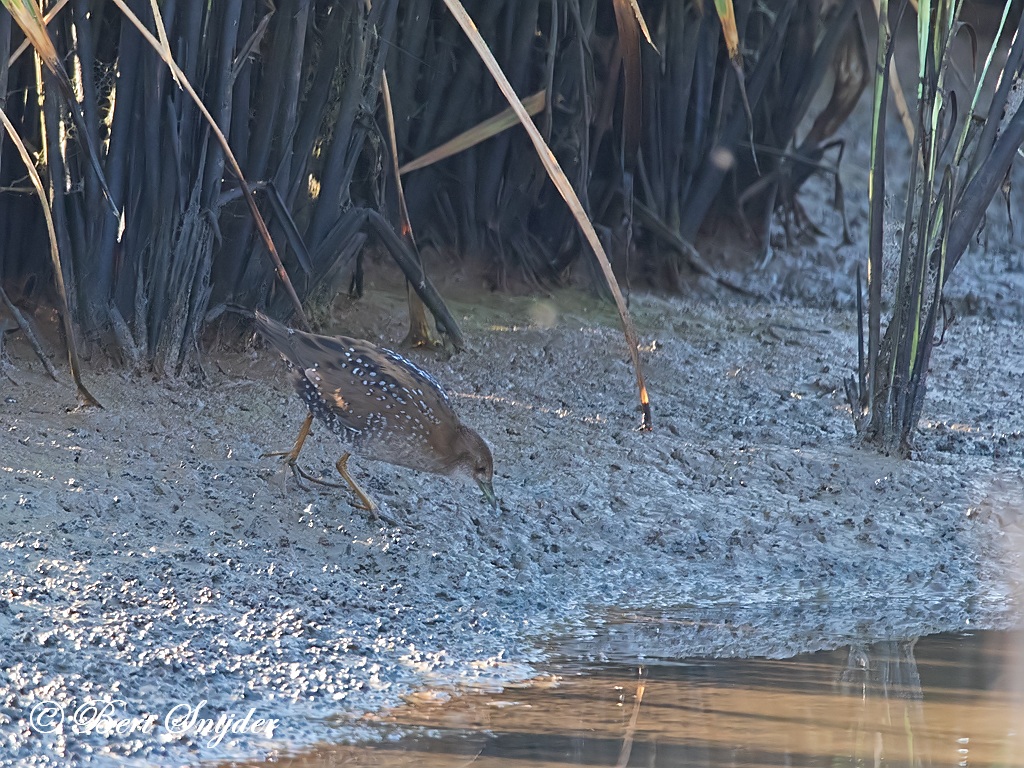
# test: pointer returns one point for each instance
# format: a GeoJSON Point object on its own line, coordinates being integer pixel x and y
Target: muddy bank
{"type": "Point", "coordinates": [150, 556]}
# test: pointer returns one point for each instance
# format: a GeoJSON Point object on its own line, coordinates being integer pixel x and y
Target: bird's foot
{"type": "Point", "coordinates": [364, 502]}
{"type": "Point", "coordinates": [290, 457]}
{"type": "Point", "coordinates": [299, 472]}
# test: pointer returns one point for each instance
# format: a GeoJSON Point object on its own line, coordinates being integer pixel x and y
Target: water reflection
{"type": "Point", "coordinates": [944, 700]}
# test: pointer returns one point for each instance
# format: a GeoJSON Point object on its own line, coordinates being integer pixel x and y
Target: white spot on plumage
{"type": "Point", "coordinates": [390, 383]}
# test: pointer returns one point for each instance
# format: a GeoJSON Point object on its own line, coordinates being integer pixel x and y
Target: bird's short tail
{"type": "Point", "coordinates": [278, 334]}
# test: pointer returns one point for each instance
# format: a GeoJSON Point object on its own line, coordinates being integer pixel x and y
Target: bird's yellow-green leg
{"type": "Point", "coordinates": [366, 503]}
{"type": "Point", "coordinates": [291, 457]}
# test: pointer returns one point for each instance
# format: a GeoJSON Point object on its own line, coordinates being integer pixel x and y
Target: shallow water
{"type": "Point", "coordinates": [942, 700]}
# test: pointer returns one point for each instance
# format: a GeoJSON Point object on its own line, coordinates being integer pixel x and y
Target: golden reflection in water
{"type": "Point", "coordinates": [946, 700]}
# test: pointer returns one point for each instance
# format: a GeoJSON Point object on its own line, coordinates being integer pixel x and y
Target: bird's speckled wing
{"type": "Point", "coordinates": [354, 386]}
{"type": "Point", "coordinates": [382, 405]}
{"type": "Point", "coordinates": [362, 380]}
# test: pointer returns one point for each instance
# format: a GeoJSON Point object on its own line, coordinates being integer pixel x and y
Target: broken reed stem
{"type": "Point", "coordinates": [29, 334]}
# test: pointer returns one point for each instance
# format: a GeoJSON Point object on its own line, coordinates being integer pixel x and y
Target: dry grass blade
{"type": "Point", "coordinates": [403, 210]}
{"type": "Point", "coordinates": [50, 14]}
{"type": "Point", "coordinates": [731, 35]}
{"type": "Point", "coordinates": [419, 331]}
{"type": "Point", "coordinates": [33, 25]}
{"type": "Point", "coordinates": [727, 17]}
{"type": "Point", "coordinates": [643, 23]}
{"type": "Point", "coordinates": [165, 44]}
{"type": "Point", "coordinates": [84, 396]}
{"type": "Point", "coordinates": [564, 187]}
{"type": "Point", "coordinates": [479, 133]}
{"type": "Point", "coordinates": [628, 25]}
{"type": "Point", "coordinates": [261, 225]}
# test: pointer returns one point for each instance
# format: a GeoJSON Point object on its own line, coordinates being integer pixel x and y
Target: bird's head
{"type": "Point", "coordinates": [472, 458]}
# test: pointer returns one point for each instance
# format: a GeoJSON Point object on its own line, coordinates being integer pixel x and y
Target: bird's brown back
{"type": "Point", "coordinates": [385, 406]}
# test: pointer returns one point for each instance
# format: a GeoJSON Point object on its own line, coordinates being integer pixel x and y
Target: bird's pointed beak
{"type": "Point", "coordinates": [488, 488]}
